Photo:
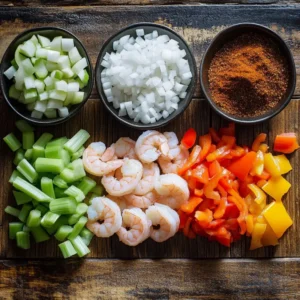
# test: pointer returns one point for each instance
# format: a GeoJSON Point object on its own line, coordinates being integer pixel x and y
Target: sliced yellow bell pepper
{"type": "Point", "coordinates": [259, 202]}
{"type": "Point", "coordinates": [249, 224]}
{"type": "Point", "coordinates": [271, 164]}
{"type": "Point", "coordinates": [269, 238]}
{"type": "Point", "coordinates": [257, 234]}
{"type": "Point", "coordinates": [277, 217]}
{"type": "Point", "coordinates": [284, 164]}
{"type": "Point", "coordinates": [276, 187]}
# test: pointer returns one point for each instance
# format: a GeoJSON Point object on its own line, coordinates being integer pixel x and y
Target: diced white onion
{"type": "Point", "coordinates": [63, 112]}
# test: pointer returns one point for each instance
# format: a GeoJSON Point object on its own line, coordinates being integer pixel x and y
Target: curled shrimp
{"type": "Point", "coordinates": [150, 145]}
{"type": "Point", "coordinates": [172, 189]}
{"type": "Point", "coordinates": [138, 225]}
{"type": "Point", "coordinates": [96, 159]}
{"type": "Point", "coordinates": [106, 211]}
{"type": "Point", "coordinates": [125, 147]}
{"type": "Point", "coordinates": [131, 170]}
{"type": "Point", "coordinates": [165, 222]}
{"type": "Point", "coordinates": [120, 201]}
{"type": "Point", "coordinates": [173, 144]}
{"type": "Point", "coordinates": [143, 201]}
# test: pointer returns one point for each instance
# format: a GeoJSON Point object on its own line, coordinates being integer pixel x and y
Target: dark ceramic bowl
{"type": "Point", "coordinates": [231, 33]}
{"type": "Point", "coordinates": [19, 108]}
{"type": "Point", "coordinates": [131, 30]}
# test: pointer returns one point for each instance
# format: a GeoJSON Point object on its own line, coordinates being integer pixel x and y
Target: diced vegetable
{"type": "Point", "coordinates": [286, 143]}
{"type": "Point", "coordinates": [26, 208]}
{"type": "Point", "coordinates": [23, 240]}
{"type": "Point", "coordinates": [86, 185]}
{"type": "Point", "coordinates": [34, 218]}
{"type": "Point", "coordinates": [78, 227]}
{"type": "Point", "coordinates": [14, 227]}
{"type": "Point", "coordinates": [27, 170]}
{"type": "Point", "coordinates": [63, 232]}
{"type": "Point", "coordinates": [80, 246]}
{"type": "Point", "coordinates": [47, 187]}
{"type": "Point", "coordinates": [12, 211]}
{"type": "Point", "coordinates": [39, 234]}
{"type": "Point", "coordinates": [50, 165]}
{"type": "Point", "coordinates": [21, 198]}
{"type": "Point", "coordinates": [63, 206]}
{"type": "Point", "coordinates": [13, 143]}
{"type": "Point", "coordinates": [49, 219]}
{"type": "Point", "coordinates": [77, 141]}
{"type": "Point", "coordinates": [67, 249]}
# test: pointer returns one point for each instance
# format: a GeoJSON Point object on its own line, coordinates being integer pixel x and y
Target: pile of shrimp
{"type": "Point", "coordinates": [143, 189]}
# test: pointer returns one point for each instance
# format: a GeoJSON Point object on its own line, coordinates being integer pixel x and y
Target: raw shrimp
{"type": "Point", "coordinates": [146, 184]}
{"type": "Point", "coordinates": [120, 201]}
{"type": "Point", "coordinates": [169, 165]}
{"type": "Point", "coordinates": [165, 222]}
{"type": "Point", "coordinates": [150, 145]}
{"type": "Point", "coordinates": [109, 154]}
{"type": "Point", "coordinates": [125, 147]}
{"type": "Point", "coordinates": [141, 201]}
{"type": "Point", "coordinates": [93, 163]}
{"type": "Point", "coordinates": [106, 211]}
{"type": "Point", "coordinates": [172, 189]}
{"type": "Point", "coordinates": [132, 171]}
{"type": "Point", "coordinates": [138, 227]}
{"type": "Point", "coordinates": [173, 144]}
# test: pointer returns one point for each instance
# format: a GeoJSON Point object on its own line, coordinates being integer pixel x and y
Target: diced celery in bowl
{"type": "Point", "coordinates": [46, 75]}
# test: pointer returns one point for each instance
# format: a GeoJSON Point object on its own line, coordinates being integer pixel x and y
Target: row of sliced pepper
{"type": "Point", "coordinates": [229, 183]}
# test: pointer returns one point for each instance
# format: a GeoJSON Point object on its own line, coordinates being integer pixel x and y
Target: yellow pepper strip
{"type": "Point", "coordinates": [258, 166]}
{"type": "Point", "coordinates": [278, 218]}
{"type": "Point", "coordinates": [271, 165]}
{"type": "Point", "coordinates": [259, 202]}
{"type": "Point", "coordinates": [249, 224]}
{"type": "Point", "coordinates": [276, 187]}
{"type": "Point", "coordinates": [284, 164]}
{"type": "Point", "coordinates": [269, 238]}
{"type": "Point", "coordinates": [257, 234]}
{"type": "Point", "coordinates": [263, 148]}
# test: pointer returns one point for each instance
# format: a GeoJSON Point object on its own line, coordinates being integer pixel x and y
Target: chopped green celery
{"type": "Point", "coordinates": [23, 240]}
{"type": "Point", "coordinates": [74, 174]}
{"type": "Point", "coordinates": [63, 232]}
{"type": "Point", "coordinates": [28, 154]}
{"type": "Point", "coordinates": [80, 246]}
{"type": "Point", "coordinates": [35, 203]}
{"type": "Point", "coordinates": [51, 165]}
{"type": "Point", "coordinates": [47, 187]}
{"type": "Point", "coordinates": [62, 220]}
{"type": "Point", "coordinates": [92, 196]}
{"type": "Point", "coordinates": [14, 64]}
{"type": "Point", "coordinates": [37, 152]}
{"type": "Point", "coordinates": [12, 211]}
{"type": "Point", "coordinates": [77, 141]}
{"type": "Point", "coordinates": [63, 206]}
{"type": "Point", "coordinates": [14, 175]}
{"type": "Point", "coordinates": [67, 249]}
{"type": "Point", "coordinates": [12, 142]}
{"type": "Point", "coordinates": [18, 156]}
{"type": "Point", "coordinates": [49, 219]}
{"type": "Point", "coordinates": [13, 228]}
{"type": "Point", "coordinates": [27, 170]}
{"type": "Point", "coordinates": [14, 93]}
{"type": "Point", "coordinates": [86, 185]}
{"type": "Point", "coordinates": [86, 236]}
{"type": "Point", "coordinates": [59, 182]}
{"type": "Point", "coordinates": [26, 228]}
{"type": "Point", "coordinates": [53, 152]}
{"type": "Point", "coordinates": [34, 218]}
{"type": "Point", "coordinates": [80, 210]}
{"type": "Point", "coordinates": [30, 190]}
{"type": "Point", "coordinates": [65, 156]}
{"type": "Point", "coordinates": [28, 139]}
{"type": "Point", "coordinates": [75, 192]}
{"type": "Point", "coordinates": [23, 126]}
{"type": "Point", "coordinates": [57, 142]}
{"type": "Point", "coordinates": [25, 210]}
{"type": "Point", "coordinates": [43, 140]}
{"type": "Point", "coordinates": [21, 198]}
{"type": "Point", "coordinates": [59, 193]}
{"type": "Point", "coordinates": [78, 227]}
{"type": "Point", "coordinates": [98, 190]}
{"type": "Point", "coordinates": [78, 154]}
{"type": "Point", "coordinates": [43, 209]}
{"type": "Point", "coordinates": [39, 234]}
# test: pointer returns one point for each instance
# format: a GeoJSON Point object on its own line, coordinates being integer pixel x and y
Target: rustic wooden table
{"type": "Point", "coordinates": [186, 268]}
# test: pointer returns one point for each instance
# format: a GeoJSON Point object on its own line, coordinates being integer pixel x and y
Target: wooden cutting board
{"type": "Point", "coordinates": [40, 272]}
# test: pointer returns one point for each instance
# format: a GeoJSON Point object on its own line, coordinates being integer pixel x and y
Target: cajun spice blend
{"type": "Point", "coordinates": [248, 76]}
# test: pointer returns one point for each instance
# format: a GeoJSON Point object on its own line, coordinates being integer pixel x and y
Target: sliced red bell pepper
{"type": "Point", "coordinates": [231, 212]}
{"type": "Point", "coordinates": [214, 168]}
{"type": "Point", "coordinates": [191, 160]}
{"type": "Point", "coordinates": [209, 188]}
{"type": "Point", "coordinates": [200, 173]}
{"type": "Point", "coordinates": [229, 141]}
{"type": "Point", "coordinates": [218, 154]}
{"type": "Point", "coordinates": [204, 217]}
{"type": "Point", "coordinates": [198, 193]}
{"type": "Point", "coordinates": [230, 130]}
{"type": "Point", "coordinates": [187, 225]}
{"type": "Point", "coordinates": [214, 135]}
{"type": "Point", "coordinates": [258, 140]}
{"type": "Point", "coordinates": [286, 143]}
{"type": "Point", "coordinates": [220, 211]}
{"type": "Point", "coordinates": [191, 205]}
{"type": "Point", "coordinates": [189, 138]}
{"type": "Point", "coordinates": [205, 143]}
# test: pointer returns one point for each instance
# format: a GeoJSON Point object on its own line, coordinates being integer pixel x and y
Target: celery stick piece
{"type": "Point", "coordinates": [13, 228]}
{"type": "Point", "coordinates": [47, 187]}
{"type": "Point", "coordinates": [34, 218]}
{"type": "Point", "coordinates": [21, 198]}
{"type": "Point", "coordinates": [67, 249]}
{"type": "Point", "coordinates": [25, 210]}
{"type": "Point", "coordinates": [63, 206]}
{"type": "Point", "coordinates": [81, 209]}
{"type": "Point", "coordinates": [23, 240]}
{"type": "Point", "coordinates": [80, 246]}
{"type": "Point", "coordinates": [28, 139]}
{"type": "Point", "coordinates": [59, 182]}
{"type": "Point", "coordinates": [57, 142]}
{"type": "Point", "coordinates": [53, 152]}
{"type": "Point", "coordinates": [30, 190]}
{"type": "Point", "coordinates": [37, 152]}
{"type": "Point", "coordinates": [65, 156]}
{"type": "Point", "coordinates": [59, 193]}
{"type": "Point", "coordinates": [28, 154]}
{"type": "Point", "coordinates": [39, 234]}
{"type": "Point", "coordinates": [49, 219]}
{"type": "Point", "coordinates": [12, 211]}
{"type": "Point", "coordinates": [86, 185]}
{"type": "Point", "coordinates": [14, 175]}
{"type": "Point", "coordinates": [27, 170]}
{"type": "Point", "coordinates": [23, 126]}
{"type": "Point", "coordinates": [78, 154]}
{"type": "Point", "coordinates": [18, 156]}
{"type": "Point", "coordinates": [51, 165]}
{"type": "Point", "coordinates": [26, 228]}
{"type": "Point", "coordinates": [77, 141]}
{"type": "Point", "coordinates": [98, 190]}
{"type": "Point", "coordinates": [76, 193]}
{"type": "Point", "coordinates": [78, 227]}
{"type": "Point", "coordinates": [63, 232]}
{"type": "Point", "coordinates": [12, 142]}
{"type": "Point", "coordinates": [62, 220]}
{"type": "Point", "coordinates": [43, 140]}
{"type": "Point", "coordinates": [42, 209]}
{"type": "Point", "coordinates": [86, 236]}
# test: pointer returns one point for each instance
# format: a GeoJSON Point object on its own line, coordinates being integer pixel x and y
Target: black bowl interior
{"type": "Point", "coordinates": [8, 56]}
{"type": "Point", "coordinates": [230, 34]}
{"type": "Point", "coordinates": [131, 30]}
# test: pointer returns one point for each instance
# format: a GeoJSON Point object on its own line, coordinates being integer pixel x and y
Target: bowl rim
{"type": "Point", "coordinates": [56, 121]}
{"type": "Point", "coordinates": [102, 97]}
{"type": "Point", "coordinates": [272, 34]}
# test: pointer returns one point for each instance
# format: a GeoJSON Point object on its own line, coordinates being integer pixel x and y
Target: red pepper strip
{"type": "Point", "coordinates": [191, 205]}
{"type": "Point", "coordinates": [205, 143]}
{"type": "Point", "coordinates": [207, 204]}
{"type": "Point", "coordinates": [214, 168]}
{"type": "Point", "coordinates": [221, 235]}
{"type": "Point", "coordinates": [204, 217]}
{"type": "Point", "coordinates": [258, 140]}
{"type": "Point", "coordinates": [198, 229]}
{"type": "Point", "coordinates": [221, 190]}
{"type": "Point", "coordinates": [187, 225]}
{"type": "Point", "coordinates": [211, 185]}
{"type": "Point", "coordinates": [230, 130]}
{"type": "Point", "coordinates": [229, 140]}
{"type": "Point", "coordinates": [246, 149]}
{"type": "Point", "coordinates": [231, 212]}
{"type": "Point", "coordinates": [261, 183]}
{"type": "Point", "coordinates": [218, 154]}
{"type": "Point", "coordinates": [232, 225]}
{"type": "Point", "coordinates": [192, 183]}
{"type": "Point", "coordinates": [220, 211]}
{"type": "Point", "coordinates": [225, 183]}
{"type": "Point", "coordinates": [189, 138]}
{"type": "Point", "coordinates": [241, 167]}
{"type": "Point", "coordinates": [198, 193]}
{"type": "Point", "coordinates": [235, 185]}
{"type": "Point", "coordinates": [183, 218]}
{"type": "Point", "coordinates": [237, 151]}
{"type": "Point", "coordinates": [200, 173]}
{"type": "Point", "coordinates": [264, 175]}
{"type": "Point", "coordinates": [215, 224]}
{"type": "Point", "coordinates": [214, 135]}
{"type": "Point", "coordinates": [286, 143]}
{"type": "Point", "coordinates": [191, 160]}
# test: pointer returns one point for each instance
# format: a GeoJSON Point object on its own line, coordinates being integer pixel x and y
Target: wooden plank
{"type": "Point", "coordinates": [150, 279]}
{"type": "Point", "coordinates": [93, 25]}
{"type": "Point", "coordinates": [199, 116]}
